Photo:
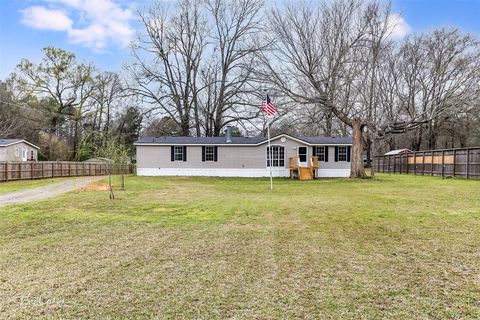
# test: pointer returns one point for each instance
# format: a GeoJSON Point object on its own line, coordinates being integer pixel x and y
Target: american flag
{"type": "Point", "coordinates": [268, 107]}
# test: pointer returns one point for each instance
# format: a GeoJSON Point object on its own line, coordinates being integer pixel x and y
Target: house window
{"type": "Point", "coordinates": [24, 154]}
{"type": "Point", "coordinates": [17, 152]}
{"type": "Point", "coordinates": [321, 153]}
{"type": "Point", "coordinates": [276, 156]}
{"type": "Point", "coordinates": [31, 155]}
{"type": "Point", "coordinates": [342, 153]}
{"type": "Point", "coordinates": [178, 153]}
{"type": "Point", "coordinates": [209, 153]}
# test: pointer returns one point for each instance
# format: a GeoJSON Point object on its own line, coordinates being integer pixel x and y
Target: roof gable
{"type": "Point", "coordinates": [9, 142]}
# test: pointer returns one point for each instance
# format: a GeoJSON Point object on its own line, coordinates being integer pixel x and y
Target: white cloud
{"type": "Point", "coordinates": [98, 23]}
{"type": "Point", "coordinates": [39, 17]}
{"type": "Point", "coordinates": [397, 26]}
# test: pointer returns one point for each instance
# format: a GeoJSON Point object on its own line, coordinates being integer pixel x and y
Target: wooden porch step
{"type": "Point", "coordinates": [305, 173]}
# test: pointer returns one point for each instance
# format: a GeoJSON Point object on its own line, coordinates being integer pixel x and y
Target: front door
{"type": "Point", "coordinates": [303, 156]}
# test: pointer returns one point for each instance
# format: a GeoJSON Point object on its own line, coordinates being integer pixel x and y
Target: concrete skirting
{"type": "Point", "coordinates": [220, 172]}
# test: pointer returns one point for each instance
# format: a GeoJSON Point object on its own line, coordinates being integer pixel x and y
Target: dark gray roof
{"type": "Point", "coordinates": [327, 140]}
{"type": "Point", "coordinates": [199, 140]}
{"type": "Point", "coordinates": [5, 142]}
{"type": "Point", "coordinates": [237, 140]}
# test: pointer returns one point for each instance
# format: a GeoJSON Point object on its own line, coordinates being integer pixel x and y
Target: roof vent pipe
{"type": "Point", "coordinates": [229, 134]}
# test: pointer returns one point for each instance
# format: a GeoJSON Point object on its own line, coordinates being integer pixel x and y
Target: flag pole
{"type": "Point", "coordinates": [271, 154]}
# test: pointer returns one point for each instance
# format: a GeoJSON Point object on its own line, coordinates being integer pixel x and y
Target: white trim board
{"type": "Point", "coordinates": [246, 173]}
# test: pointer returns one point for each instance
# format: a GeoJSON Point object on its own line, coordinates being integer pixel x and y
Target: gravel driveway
{"type": "Point", "coordinates": [47, 191]}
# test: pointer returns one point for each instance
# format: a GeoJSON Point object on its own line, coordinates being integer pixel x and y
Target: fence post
{"type": "Point", "coordinates": [468, 162]}
{"type": "Point", "coordinates": [20, 170]}
{"type": "Point", "coordinates": [6, 171]}
{"type": "Point", "coordinates": [432, 166]}
{"type": "Point", "coordinates": [383, 164]}
{"type": "Point", "coordinates": [443, 164]}
{"type": "Point", "coordinates": [415, 163]}
{"type": "Point", "coordinates": [43, 173]}
{"type": "Point", "coordinates": [406, 162]}
{"type": "Point", "coordinates": [423, 163]}
{"type": "Point", "coordinates": [401, 163]}
{"type": "Point", "coordinates": [31, 170]}
{"type": "Point", "coordinates": [454, 160]}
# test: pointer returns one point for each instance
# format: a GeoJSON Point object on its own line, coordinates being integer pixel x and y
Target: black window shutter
{"type": "Point", "coordinates": [349, 150]}
{"type": "Point", "coordinates": [172, 156]}
{"type": "Point", "coordinates": [203, 153]}
{"type": "Point", "coordinates": [215, 153]}
{"type": "Point", "coordinates": [326, 153]}
{"type": "Point", "coordinates": [336, 153]}
{"type": "Point", "coordinates": [184, 153]}
{"type": "Point", "coordinates": [314, 151]}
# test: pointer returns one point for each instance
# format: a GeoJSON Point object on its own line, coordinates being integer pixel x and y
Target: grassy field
{"type": "Point", "coordinates": [397, 247]}
{"type": "Point", "coordinates": [12, 186]}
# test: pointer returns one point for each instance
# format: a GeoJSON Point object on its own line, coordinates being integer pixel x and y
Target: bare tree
{"type": "Point", "coordinates": [315, 58]}
{"type": "Point", "coordinates": [236, 38]}
{"type": "Point", "coordinates": [426, 82]}
{"type": "Point", "coordinates": [175, 43]}
{"type": "Point", "coordinates": [108, 96]}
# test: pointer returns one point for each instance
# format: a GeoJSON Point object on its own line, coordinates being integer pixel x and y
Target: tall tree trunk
{"type": "Point", "coordinates": [185, 126]}
{"type": "Point", "coordinates": [368, 149]}
{"type": "Point", "coordinates": [432, 139]}
{"type": "Point", "coordinates": [328, 123]}
{"type": "Point", "coordinates": [357, 170]}
{"type": "Point", "coordinates": [75, 142]}
{"type": "Point", "coordinates": [217, 126]}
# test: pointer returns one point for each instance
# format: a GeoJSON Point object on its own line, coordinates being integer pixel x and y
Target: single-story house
{"type": "Point", "coordinates": [17, 150]}
{"type": "Point", "coordinates": [241, 156]}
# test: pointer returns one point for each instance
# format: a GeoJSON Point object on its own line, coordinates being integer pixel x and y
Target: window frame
{"type": "Point", "coordinates": [208, 154]}
{"type": "Point", "coordinates": [321, 155]}
{"type": "Point", "coordinates": [176, 153]}
{"type": "Point", "coordinates": [277, 158]}
{"type": "Point", "coordinates": [342, 154]}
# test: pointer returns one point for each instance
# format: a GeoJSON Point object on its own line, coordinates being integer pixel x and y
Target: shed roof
{"type": "Point", "coordinates": [398, 151]}
{"type": "Point", "coordinates": [172, 140]}
{"type": "Point", "coordinates": [8, 142]}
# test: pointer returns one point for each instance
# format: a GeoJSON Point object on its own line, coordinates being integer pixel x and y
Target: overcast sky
{"type": "Point", "coordinates": [100, 30]}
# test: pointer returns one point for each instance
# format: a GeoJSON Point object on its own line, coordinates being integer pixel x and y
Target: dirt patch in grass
{"type": "Point", "coordinates": [96, 186]}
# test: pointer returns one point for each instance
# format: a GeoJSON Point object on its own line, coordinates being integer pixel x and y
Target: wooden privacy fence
{"type": "Point", "coordinates": [446, 163]}
{"type": "Point", "coordinates": [50, 169]}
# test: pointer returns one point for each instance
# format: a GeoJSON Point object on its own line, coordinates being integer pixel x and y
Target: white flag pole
{"type": "Point", "coordinates": [269, 151]}
{"type": "Point", "coordinates": [271, 154]}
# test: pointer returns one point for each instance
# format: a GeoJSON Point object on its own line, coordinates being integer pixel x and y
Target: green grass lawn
{"type": "Point", "coordinates": [397, 247]}
{"type": "Point", "coordinates": [11, 186]}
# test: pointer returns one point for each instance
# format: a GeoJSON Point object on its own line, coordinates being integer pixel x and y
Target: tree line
{"type": "Point", "coordinates": [332, 68]}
